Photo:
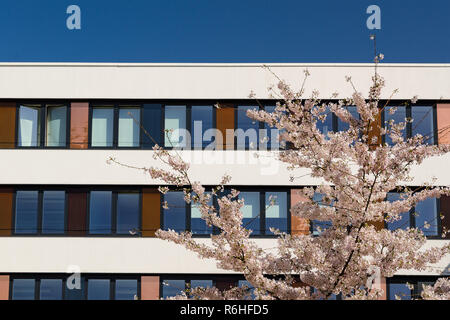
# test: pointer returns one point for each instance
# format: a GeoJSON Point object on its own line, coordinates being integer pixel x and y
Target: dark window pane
{"type": "Point", "coordinates": [399, 291]}
{"type": "Point", "coordinates": [29, 126]}
{"type": "Point", "coordinates": [427, 217]}
{"type": "Point", "coordinates": [126, 289]}
{"type": "Point", "coordinates": [56, 126]}
{"type": "Point", "coordinates": [73, 291]}
{"type": "Point", "coordinates": [99, 289]}
{"type": "Point", "coordinates": [271, 138]}
{"type": "Point", "coordinates": [247, 132]}
{"type": "Point", "coordinates": [276, 211]}
{"type": "Point", "coordinates": [23, 289]}
{"type": "Point", "coordinates": [398, 116]}
{"type": "Point", "coordinates": [251, 211]}
{"type": "Point", "coordinates": [317, 225]}
{"type": "Point", "coordinates": [26, 211]}
{"type": "Point", "coordinates": [201, 121]}
{"type": "Point", "coordinates": [423, 122]}
{"type": "Point", "coordinates": [201, 284]}
{"type": "Point", "coordinates": [404, 221]}
{"type": "Point", "coordinates": [100, 212]}
{"type": "Point", "coordinates": [327, 125]}
{"type": "Point", "coordinates": [129, 130]}
{"type": "Point", "coordinates": [420, 285]}
{"type": "Point", "coordinates": [127, 212]}
{"type": "Point", "coordinates": [251, 289]}
{"type": "Point", "coordinates": [171, 288]}
{"type": "Point", "coordinates": [53, 212]}
{"type": "Point", "coordinates": [344, 126]}
{"type": "Point", "coordinates": [102, 127]}
{"type": "Point", "coordinates": [175, 123]}
{"type": "Point", "coordinates": [51, 289]}
{"type": "Point", "coordinates": [175, 216]}
{"type": "Point", "coordinates": [152, 114]}
{"type": "Point", "coordinates": [198, 225]}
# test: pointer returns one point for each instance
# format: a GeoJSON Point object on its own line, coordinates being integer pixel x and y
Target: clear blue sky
{"type": "Point", "coordinates": [223, 31]}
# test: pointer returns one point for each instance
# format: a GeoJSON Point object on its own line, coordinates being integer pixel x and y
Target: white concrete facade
{"type": "Point", "coordinates": [86, 81]}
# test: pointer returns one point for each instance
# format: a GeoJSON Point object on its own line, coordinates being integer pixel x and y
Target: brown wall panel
{"type": "Point", "coordinates": [4, 287]}
{"type": "Point", "coordinates": [443, 123]}
{"type": "Point", "coordinates": [6, 207]}
{"type": "Point", "coordinates": [298, 225]}
{"type": "Point", "coordinates": [225, 120]}
{"type": "Point", "coordinates": [79, 124]}
{"type": "Point", "coordinates": [445, 210]}
{"type": "Point", "coordinates": [150, 288]}
{"type": "Point", "coordinates": [77, 210]}
{"type": "Point", "coordinates": [7, 125]}
{"type": "Point", "coordinates": [151, 211]}
{"type": "Point", "coordinates": [375, 132]}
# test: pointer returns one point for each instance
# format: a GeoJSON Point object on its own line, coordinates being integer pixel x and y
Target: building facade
{"type": "Point", "coordinates": [73, 225]}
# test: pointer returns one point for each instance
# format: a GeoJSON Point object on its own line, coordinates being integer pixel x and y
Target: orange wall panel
{"type": "Point", "coordinates": [443, 123]}
{"type": "Point", "coordinates": [225, 124]}
{"type": "Point", "coordinates": [79, 124]}
{"type": "Point", "coordinates": [4, 287]}
{"type": "Point", "coordinates": [6, 207]}
{"type": "Point", "coordinates": [151, 211]}
{"type": "Point", "coordinates": [7, 125]}
{"type": "Point", "coordinates": [149, 288]}
{"type": "Point", "coordinates": [298, 225]}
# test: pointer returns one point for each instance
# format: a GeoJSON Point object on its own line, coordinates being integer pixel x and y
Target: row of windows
{"type": "Point", "coordinates": [182, 126]}
{"type": "Point", "coordinates": [71, 288]}
{"type": "Point", "coordinates": [127, 287]}
{"type": "Point", "coordinates": [262, 210]}
{"type": "Point", "coordinates": [128, 126]}
{"type": "Point", "coordinates": [423, 121]}
{"type": "Point", "coordinates": [425, 216]}
{"type": "Point", "coordinates": [121, 212]}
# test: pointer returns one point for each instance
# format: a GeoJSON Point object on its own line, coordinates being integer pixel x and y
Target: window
{"type": "Point", "coordinates": [129, 130]}
{"type": "Point", "coordinates": [271, 138]}
{"type": "Point", "coordinates": [53, 213]}
{"type": "Point", "coordinates": [26, 212]}
{"type": "Point", "coordinates": [423, 216]}
{"type": "Point", "coordinates": [29, 126]}
{"type": "Point", "coordinates": [397, 114]}
{"type": "Point", "coordinates": [423, 122]}
{"type": "Point", "coordinates": [102, 126]}
{"type": "Point", "coordinates": [319, 226]}
{"type": "Point", "coordinates": [73, 292]}
{"type": "Point", "coordinates": [250, 288]}
{"type": "Point", "coordinates": [404, 222]}
{"type": "Point", "coordinates": [427, 217]}
{"type": "Point", "coordinates": [126, 289]}
{"type": "Point", "coordinates": [198, 225]}
{"type": "Point", "coordinates": [246, 128]}
{"type": "Point", "coordinates": [100, 206]}
{"type": "Point", "coordinates": [399, 291]}
{"type": "Point", "coordinates": [327, 125]}
{"type": "Point", "coordinates": [172, 288]}
{"type": "Point", "coordinates": [201, 122]}
{"type": "Point", "coordinates": [276, 211]}
{"type": "Point", "coordinates": [50, 289]}
{"type": "Point", "coordinates": [175, 216]}
{"type": "Point", "coordinates": [344, 126]}
{"type": "Point", "coordinates": [56, 129]}
{"type": "Point", "coordinates": [251, 211]}
{"type": "Point", "coordinates": [128, 212]}
{"type": "Point", "coordinates": [23, 289]}
{"type": "Point", "coordinates": [35, 131]}
{"type": "Point", "coordinates": [175, 126]}
{"type": "Point", "coordinates": [99, 289]}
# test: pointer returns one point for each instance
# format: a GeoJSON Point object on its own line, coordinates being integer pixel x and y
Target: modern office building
{"type": "Point", "coordinates": [64, 209]}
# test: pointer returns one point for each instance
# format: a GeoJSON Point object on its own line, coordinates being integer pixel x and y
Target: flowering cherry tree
{"type": "Point", "coordinates": [357, 171]}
